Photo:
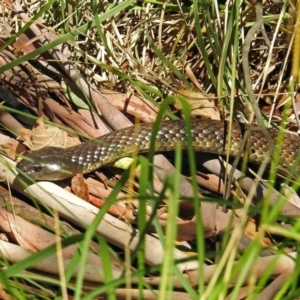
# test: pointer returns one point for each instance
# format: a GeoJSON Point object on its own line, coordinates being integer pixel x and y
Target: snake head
{"type": "Point", "coordinates": [44, 164]}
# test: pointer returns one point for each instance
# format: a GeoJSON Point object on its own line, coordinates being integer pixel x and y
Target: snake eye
{"type": "Point", "coordinates": [37, 168]}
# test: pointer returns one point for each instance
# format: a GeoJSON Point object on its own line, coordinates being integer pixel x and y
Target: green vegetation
{"type": "Point", "coordinates": [70, 62]}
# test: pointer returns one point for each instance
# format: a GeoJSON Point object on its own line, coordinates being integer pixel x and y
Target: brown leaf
{"type": "Point", "coordinates": [5, 30]}
{"type": "Point", "coordinates": [46, 135]}
{"type": "Point", "coordinates": [79, 187]}
{"type": "Point", "coordinates": [201, 104]}
{"type": "Point", "coordinates": [11, 146]}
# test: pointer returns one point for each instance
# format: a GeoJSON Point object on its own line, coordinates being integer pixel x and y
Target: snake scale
{"type": "Point", "coordinates": [52, 163]}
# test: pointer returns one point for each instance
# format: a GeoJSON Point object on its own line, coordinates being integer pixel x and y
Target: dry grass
{"type": "Point", "coordinates": [155, 52]}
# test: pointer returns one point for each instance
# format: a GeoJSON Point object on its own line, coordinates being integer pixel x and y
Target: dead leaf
{"type": "Point", "coordinates": [79, 187]}
{"type": "Point", "coordinates": [11, 147]}
{"type": "Point", "coordinates": [5, 30]}
{"type": "Point", "coordinates": [43, 135]}
{"type": "Point", "coordinates": [201, 104]}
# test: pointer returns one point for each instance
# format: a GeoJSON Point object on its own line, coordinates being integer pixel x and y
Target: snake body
{"type": "Point", "coordinates": [213, 136]}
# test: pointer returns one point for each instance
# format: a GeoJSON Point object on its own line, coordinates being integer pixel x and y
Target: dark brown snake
{"type": "Point", "coordinates": [51, 163]}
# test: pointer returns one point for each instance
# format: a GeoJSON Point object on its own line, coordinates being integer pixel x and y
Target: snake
{"type": "Point", "coordinates": [212, 136]}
